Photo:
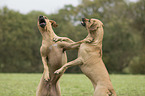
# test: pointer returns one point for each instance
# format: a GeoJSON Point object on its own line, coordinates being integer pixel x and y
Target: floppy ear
{"type": "Point", "coordinates": [100, 24]}
{"type": "Point", "coordinates": [93, 27]}
{"type": "Point", "coordinates": [53, 23]}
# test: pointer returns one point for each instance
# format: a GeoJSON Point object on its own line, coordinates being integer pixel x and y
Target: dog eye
{"type": "Point", "coordinates": [45, 17]}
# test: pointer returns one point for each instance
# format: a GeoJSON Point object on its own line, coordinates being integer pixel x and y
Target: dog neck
{"type": "Point", "coordinates": [97, 35]}
{"type": "Point", "coordinates": [48, 34]}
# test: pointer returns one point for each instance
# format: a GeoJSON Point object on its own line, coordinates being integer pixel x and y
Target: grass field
{"type": "Point", "coordinates": [71, 85]}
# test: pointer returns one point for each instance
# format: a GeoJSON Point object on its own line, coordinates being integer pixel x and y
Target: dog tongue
{"type": "Point", "coordinates": [42, 23]}
{"type": "Point", "coordinates": [84, 24]}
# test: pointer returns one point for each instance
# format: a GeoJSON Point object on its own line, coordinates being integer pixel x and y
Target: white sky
{"type": "Point", "coordinates": [47, 6]}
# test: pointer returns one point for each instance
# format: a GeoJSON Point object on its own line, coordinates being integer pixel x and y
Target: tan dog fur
{"type": "Point", "coordinates": [53, 57]}
{"type": "Point", "coordinates": [90, 59]}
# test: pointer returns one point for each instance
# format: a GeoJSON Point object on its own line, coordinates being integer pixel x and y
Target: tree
{"type": "Point", "coordinates": [123, 44]}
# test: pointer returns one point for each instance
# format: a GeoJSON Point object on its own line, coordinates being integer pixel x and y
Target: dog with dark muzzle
{"type": "Point", "coordinates": [53, 57]}
{"type": "Point", "coordinates": [90, 59]}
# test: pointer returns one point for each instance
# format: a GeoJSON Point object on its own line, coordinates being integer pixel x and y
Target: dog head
{"type": "Point", "coordinates": [92, 24]}
{"type": "Point", "coordinates": [44, 23]}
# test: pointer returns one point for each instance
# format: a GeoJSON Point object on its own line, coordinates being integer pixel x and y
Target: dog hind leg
{"type": "Point", "coordinates": [41, 91]}
{"type": "Point", "coordinates": [75, 62]}
{"type": "Point", "coordinates": [55, 90]}
{"type": "Point", "coordinates": [101, 91]}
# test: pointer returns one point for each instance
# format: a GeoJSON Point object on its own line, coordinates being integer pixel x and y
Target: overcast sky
{"type": "Point", "coordinates": [47, 6]}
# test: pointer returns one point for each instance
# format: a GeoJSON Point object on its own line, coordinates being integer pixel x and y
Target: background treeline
{"type": "Point", "coordinates": [123, 44]}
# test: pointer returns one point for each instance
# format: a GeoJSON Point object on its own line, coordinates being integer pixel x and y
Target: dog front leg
{"type": "Point", "coordinates": [46, 70]}
{"type": "Point", "coordinates": [89, 39]}
{"type": "Point", "coordinates": [86, 40]}
{"type": "Point", "coordinates": [68, 46]}
{"type": "Point", "coordinates": [56, 39]}
{"type": "Point", "coordinates": [75, 62]}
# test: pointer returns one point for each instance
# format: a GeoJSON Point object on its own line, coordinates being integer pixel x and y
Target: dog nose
{"type": "Point", "coordinates": [40, 16]}
{"type": "Point", "coordinates": [83, 19]}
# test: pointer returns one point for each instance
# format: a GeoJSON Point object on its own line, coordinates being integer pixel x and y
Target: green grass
{"type": "Point", "coordinates": [71, 85]}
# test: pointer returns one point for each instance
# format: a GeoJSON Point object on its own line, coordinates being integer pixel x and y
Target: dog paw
{"type": "Point", "coordinates": [46, 76]}
{"type": "Point", "coordinates": [89, 41]}
{"type": "Point", "coordinates": [57, 72]}
{"type": "Point", "coordinates": [56, 39]}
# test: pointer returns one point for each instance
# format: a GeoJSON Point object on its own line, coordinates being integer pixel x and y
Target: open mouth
{"type": "Point", "coordinates": [83, 22]}
{"type": "Point", "coordinates": [42, 21]}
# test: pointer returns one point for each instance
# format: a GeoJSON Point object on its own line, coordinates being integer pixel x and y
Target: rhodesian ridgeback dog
{"type": "Point", "coordinates": [90, 59]}
{"type": "Point", "coordinates": [53, 57]}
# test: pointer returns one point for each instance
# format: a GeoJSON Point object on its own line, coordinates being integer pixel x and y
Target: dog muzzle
{"type": "Point", "coordinates": [42, 21]}
{"type": "Point", "coordinates": [83, 23]}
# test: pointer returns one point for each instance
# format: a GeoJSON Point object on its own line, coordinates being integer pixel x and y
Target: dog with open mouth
{"type": "Point", "coordinates": [53, 57]}
{"type": "Point", "coordinates": [90, 59]}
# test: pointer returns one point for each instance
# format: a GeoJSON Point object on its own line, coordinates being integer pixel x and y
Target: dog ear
{"type": "Point", "coordinates": [53, 23]}
{"type": "Point", "coordinates": [94, 27]}
{"type": "Point", "coordinates": [100, 24]}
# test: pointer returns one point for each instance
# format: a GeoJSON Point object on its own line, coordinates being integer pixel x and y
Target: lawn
{"type": "Point", "coordinates": [71, 85]}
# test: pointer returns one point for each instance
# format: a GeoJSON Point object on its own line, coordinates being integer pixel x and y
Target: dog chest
{"type": "Point", "coordinates": [86, 50]}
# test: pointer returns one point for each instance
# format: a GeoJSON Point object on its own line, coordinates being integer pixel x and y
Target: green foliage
{"type": "Point", "coordinates": [71, 85]}
{"type": "Point", "coordinates": [137, 65]}
{"type": "Point", "coordinates": [123, 44]}
{"type": "Point", "coordinates": [20, 38]}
